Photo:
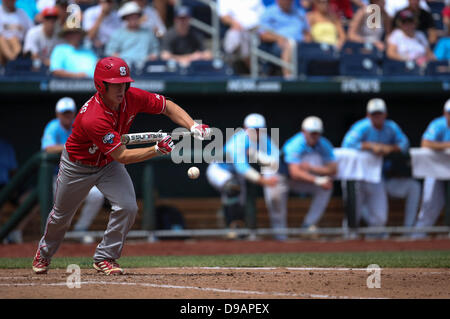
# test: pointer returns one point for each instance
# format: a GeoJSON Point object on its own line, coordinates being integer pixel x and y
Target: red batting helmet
{"type": "Point", "coordinates": [111, 70]}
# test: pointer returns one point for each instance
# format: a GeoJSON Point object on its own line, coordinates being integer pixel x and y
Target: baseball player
{"type": "Point", "coordinates": [94, 156]}
{"type": "Point", "coordinates": [381, 136]}
{"type": "Point", "coordinates": [56, 132]}
{"type": "Point", "coordinates": [436, 137]}
{"type": "Point", "coordinates": [311, 165]}
{"type": "Point", "coordinates": [243, 148]}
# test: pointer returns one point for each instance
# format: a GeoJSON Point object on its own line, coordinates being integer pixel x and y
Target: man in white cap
{"type": "Point", "coordinates": [133, 42]}
{"type": "Point", "coordinates": [56, 132]}
{"type": "Point", "coordinates": [382, 136]}
{"type": "Point", "coordinates": [247, 146]}
{"type": "Point", "coordinates": [436, 137]}
{"type": "Point", "coordinates": [310, 166]}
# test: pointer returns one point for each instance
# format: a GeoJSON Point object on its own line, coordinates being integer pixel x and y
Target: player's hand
{"type": "Point", "coordinates": [323, 181]}
{"type": "Point", "coordinates": [269, 181]}
{"type": "Point", "coordinates": [377, 149]}
{"type": "Point", "coordinates": [165, 146]}
{"type": "Point", "coordinates": [201, 131]}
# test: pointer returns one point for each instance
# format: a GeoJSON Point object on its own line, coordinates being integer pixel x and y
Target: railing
{"type": "Point", "coordinates": [213, 30]}
{"type": "Point", "coordinates": [42, 194]}
{"type": "Point", "coordinates": [256, 53]}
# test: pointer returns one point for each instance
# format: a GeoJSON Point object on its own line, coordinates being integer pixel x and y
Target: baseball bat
{"type": "Point", "coordinates": [150, 137]}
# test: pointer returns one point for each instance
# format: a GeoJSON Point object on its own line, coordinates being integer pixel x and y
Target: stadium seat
{"type": "Point", "coordinates": [208, 68]}
{"type": "Point", "coordinates": [436, 12]}
{"type": "Point", "coordinates": [23, 67]}
{"type": "Point", "coordinates": [153, 68]}
{"type": "Point", "coordinates": [436, 68]}
{"type": "Point", "coordinates": [317, 59]}
{"type": "Point", "coordinates": [359, 65]}
{"type": "Point", "coordinates": [363, 49]}
{"type": "Point", "coordinates": [392, 67]}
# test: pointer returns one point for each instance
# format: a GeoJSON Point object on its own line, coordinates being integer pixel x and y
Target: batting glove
{"type": "Point", "coordinates": [165, 146]}
{"type": "Point", "coordinates": [201, 131]}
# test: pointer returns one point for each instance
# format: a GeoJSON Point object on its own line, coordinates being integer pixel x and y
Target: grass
{"type": "Point", "coordinates": [403, 259]}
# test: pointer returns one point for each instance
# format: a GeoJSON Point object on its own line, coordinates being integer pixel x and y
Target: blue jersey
{"type": "Point", "coordinates": [296, 148]}
{"type": "Point", "coordinates": [437, 131]}
{"type": "Point", "coordinates": [54, 134]}
{"type": "Point", "coordinates": [364, 131]}
{"type": "Point", "coordinates": [237, 148]}
{"type": "Point", "coordinates": [8, 161]}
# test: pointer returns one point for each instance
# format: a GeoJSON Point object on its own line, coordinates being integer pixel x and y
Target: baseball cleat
{"type": "Point", "coordinates": [108, 267]}
{"type": "Point", "coordinates": [40, 265]}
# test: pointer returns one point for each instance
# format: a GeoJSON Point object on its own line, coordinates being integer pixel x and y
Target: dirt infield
{"type": "Point", "coordinates": [220, 283]}
{"type": "Point", "coordinates": [223, 283]}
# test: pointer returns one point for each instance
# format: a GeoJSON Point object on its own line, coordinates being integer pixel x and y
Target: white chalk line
{"type": "Point", "coordinates": [232, 291]}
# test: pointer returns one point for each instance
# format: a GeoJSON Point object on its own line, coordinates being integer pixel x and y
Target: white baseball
{"type": "Point", "coordinates": [193, 172]}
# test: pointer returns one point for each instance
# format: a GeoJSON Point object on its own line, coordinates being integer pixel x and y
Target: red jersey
{"type": "Point", "coordinates": [97, 129]}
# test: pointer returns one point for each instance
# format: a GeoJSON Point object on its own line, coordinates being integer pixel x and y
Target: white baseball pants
{"type": "Point", "coordinates": [73, 185]}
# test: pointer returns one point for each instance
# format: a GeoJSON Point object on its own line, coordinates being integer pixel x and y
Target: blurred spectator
{"type": "Point", "coordinates": [311, 165]}
{"type": "Point", "coordinates": [360, 31]}
{"type": "Point", "coordinates": [424, 20]}
{"type": "Point", "coordinates": [325, 25]}
{"type": "Point", "coordinates": [437, 138]}
{"type": "Point", "coordinates": [393, 6]}
{"type": "Point", "coordinates": [250, 145]}
{"type": "Point", "coordinates": [281, 23]}
{"type": "Point", "coordinates": [28, 6]}
{"type": "Point", "coordinates": [342, 8]}
{"type": "Point", "coordinates": [60, 4]}
{"type": "Point", "coordinates": [14, 24]}
{"type": "Point", "coordinates": [8, 162]}
{"type": "Point", "coordinates": [41, 39]}
{"type": "Point", "coordinates": [446, 15]}
{"type": "Point", "coordinates": [408, 44]}
{"type": "Point", "coordinates": [382, 137]}
{"type": "Point", "coordinates": [133, 43]}
{"type": "Point", "coordinates": [100, 22]}
{"type": "Point", "coordinates": [242, 17]}
{"type": "Point", "coordinates": [165, 10]}
{"type": "Point", "coordinates": [56, 132]}
{"type": "Point", "coordinates": [181, 43]}
{"type": "Point", "coordinates": [442, 48]}
{"type": "Point", "coordinates": [71, 59]}
{"type": "Point", "coordinates": [151, 19]}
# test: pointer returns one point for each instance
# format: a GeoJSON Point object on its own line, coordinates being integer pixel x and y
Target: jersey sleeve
{"type": "Point", "coordinates": [353, 138]}
{"type": "Point", "coordinates": [49, 136]}
{"type": "Point", "coordinates": [291, 150]}
{"type": "Point", "coordinates": [432, 132]}
{"type": "Point", "coordinates": [147, 102]}
{"type": "Point", "coordinates": [102, 135]}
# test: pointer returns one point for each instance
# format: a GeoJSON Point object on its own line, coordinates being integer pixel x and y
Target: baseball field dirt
{"type": "Point", "coordinates": [230, 282]}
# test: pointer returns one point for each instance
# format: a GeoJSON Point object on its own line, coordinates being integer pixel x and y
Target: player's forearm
{"type": "Point", "coordinates": [437, 146]}
{"type": "Point", "coordinates": [325, 170]}
{"type": "Point", "coordinates": [178, 115]}
{"type": "Point", "coordinates": [129, 156]}
{"type": "Point", "coordinates": [299, 174]}
{"type": "Point", "coordinates": [54, 148]}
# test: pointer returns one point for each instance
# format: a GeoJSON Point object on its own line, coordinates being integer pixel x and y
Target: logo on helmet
{"type": "Point", "coordinates": [123, 71]}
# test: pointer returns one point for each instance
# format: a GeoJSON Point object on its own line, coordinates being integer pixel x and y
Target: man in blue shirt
{"type": "Point", "coordinates": [56, 132]}
{"type": "Point", "coordinates": [281, 23]}
{"type": "Point", "coordinates": [311, 165]}
{"type": "Point", "coordinates": [382, 137]}
{"type": "Point", "coordinates": [133, 43]}
{"type": "Point", "coordinates": [71, 59]}
{"type": "Point", "coordinates": [437, 138]}
{"type": "Point", "coordinates": [245, 147]}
